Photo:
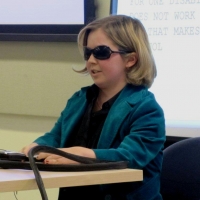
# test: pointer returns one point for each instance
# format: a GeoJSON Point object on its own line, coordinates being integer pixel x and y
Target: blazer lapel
{"type": "Point", "coordinates": [118, 112]}
{"type": "Point", "coordinates": [73, 114]}
{"type": "Point", "coordinates": [113, 122]}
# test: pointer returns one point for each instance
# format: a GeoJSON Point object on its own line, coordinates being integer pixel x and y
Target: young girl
{"type": "Point", "coordinates": [116, 118]}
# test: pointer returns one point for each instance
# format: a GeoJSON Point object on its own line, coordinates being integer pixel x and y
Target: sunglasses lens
{"type": "Point", "coordinates": [101, 52]}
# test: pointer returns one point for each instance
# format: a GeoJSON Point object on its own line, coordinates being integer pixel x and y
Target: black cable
{"type": "Point", "coordinates": [15, 194]}
{"type": "Point", "coordinates": [20, 161]}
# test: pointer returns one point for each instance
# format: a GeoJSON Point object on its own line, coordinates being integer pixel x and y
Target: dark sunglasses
{"type": "Point", "coordinates": [100, 52]}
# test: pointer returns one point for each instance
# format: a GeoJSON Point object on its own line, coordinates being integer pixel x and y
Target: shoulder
{"type": "Point", "coordinates": [79, 97]}
{"type": "Point", "coordinates": [140, 98]}
{"type": "Point", "coordinates": [135, 94]}
{"type": "Point", "coordinates": [80, 93]}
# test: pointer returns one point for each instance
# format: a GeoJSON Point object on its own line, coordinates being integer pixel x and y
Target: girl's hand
{"type": "Point", "coordinates": [56, 159]}
{"type": "Point", "coordinates": [26, 149]}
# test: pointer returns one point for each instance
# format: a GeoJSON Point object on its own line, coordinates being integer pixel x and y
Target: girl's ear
{"type": "Point", "coordinates": [131, 60]}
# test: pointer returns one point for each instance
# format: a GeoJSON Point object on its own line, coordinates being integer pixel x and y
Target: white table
{"type": "Point", "coordinates": [17, 180]}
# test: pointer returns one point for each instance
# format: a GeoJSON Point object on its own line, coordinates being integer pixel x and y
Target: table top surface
{"type": "Point", "coordinates": [18, 180]}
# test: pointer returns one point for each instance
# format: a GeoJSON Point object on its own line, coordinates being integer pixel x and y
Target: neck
{"type": "Point", "coordinates": [107, 93]}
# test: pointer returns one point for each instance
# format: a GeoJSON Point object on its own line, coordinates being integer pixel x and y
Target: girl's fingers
{"type": "Point", "coordinates": [43, 155]}
{"type": "Point", "coordinates": [58, 160]}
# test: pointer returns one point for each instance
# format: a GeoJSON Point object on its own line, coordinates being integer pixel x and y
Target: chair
{"type": "Point", "coordinates": [180, 176]}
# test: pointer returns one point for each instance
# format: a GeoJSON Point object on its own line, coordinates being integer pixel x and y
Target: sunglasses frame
{"type": "Point", "coordinates": [88, 52]}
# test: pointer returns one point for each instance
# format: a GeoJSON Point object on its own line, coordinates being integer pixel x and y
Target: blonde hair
{"type": "Point", "coordinates": [128, 34]}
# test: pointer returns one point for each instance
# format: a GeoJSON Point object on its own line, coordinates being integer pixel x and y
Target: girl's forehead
{"type": "Point", "coordinates": [98, 36]}
{"type": "Point", "coordinates": [97, 32]}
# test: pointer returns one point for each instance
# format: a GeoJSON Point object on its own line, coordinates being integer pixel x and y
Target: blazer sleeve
{"type": "Point", "coordinates": [65, 123]}
{"type": "Point", "coordinates": [52, 138]}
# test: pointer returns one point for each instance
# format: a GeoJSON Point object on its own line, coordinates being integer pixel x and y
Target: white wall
{"type": "Point", "coordinates": [36, 79]}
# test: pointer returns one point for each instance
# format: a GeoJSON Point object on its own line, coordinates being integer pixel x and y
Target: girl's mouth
{"type": "Point", "coordinates": [95, 71]}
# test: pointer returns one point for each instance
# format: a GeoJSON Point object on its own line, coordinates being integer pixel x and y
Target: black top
{"type": "Point", "coordinates": [88, 130]}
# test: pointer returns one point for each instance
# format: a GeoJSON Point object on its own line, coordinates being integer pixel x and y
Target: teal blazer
{"type": "Point", "coordinates": [134, 131]}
